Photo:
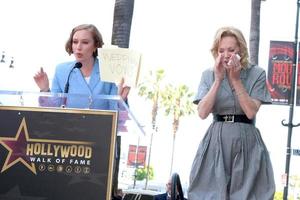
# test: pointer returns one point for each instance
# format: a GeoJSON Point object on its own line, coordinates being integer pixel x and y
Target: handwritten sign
{"type": "Point", "coordinates": [118, 63]}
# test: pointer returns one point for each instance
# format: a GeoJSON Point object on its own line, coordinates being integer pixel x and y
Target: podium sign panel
{"type": "Point", "coordinates": [54, 153]}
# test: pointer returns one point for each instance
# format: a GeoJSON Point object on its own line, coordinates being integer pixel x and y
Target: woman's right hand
{"type": "Point", "coordinates": [42, 81]}
{"type": "Point", "coordinates": [219, 69]}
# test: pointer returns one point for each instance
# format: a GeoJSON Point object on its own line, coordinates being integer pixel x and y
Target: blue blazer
{"type": "Point", "coordinates": [77, 83]}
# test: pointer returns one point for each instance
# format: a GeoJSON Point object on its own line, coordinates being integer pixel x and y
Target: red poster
{"type": "Point", "coordinates": [281, 58]}
{"type": "Point", "coordinates": [137, 156]}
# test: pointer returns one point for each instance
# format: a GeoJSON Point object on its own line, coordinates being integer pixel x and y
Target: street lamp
{"type": "Point", "coordinates": [3, 57]}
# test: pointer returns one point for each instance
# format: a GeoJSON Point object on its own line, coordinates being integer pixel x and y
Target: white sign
{"type": "Point", "coordinates": [118, 63]}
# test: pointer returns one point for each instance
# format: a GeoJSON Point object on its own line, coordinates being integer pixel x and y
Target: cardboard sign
{"type": "Point", "coordinates": [118, 63]}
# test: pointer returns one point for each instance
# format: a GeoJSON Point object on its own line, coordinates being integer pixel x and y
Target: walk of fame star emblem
{"type": "Point", "coordinates": [17, 149]}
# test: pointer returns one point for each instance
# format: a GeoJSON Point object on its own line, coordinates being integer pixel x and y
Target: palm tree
{"type": "Point", "coordinates": [254, 31]}
{"type": "Point", "coordinates": [177, 102]}
{"type": "Point", "coordinates": [123, 13]}
{"type": "Point", "coordinates": [151, 90]}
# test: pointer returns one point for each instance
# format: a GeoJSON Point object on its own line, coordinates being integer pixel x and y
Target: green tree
{"type": "Point", "coordinates": [141, 173]}
{"type": "Point", "coordinates": [177, 101]}
{"type": "Point", "coordinates": [151, 90]}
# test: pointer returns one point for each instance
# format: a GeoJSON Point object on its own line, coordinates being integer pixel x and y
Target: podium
{"type": "Point", "coordinates": [59, 146]}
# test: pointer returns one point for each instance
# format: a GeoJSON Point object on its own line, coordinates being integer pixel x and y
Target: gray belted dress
{"type": "Point", "coordinates": [232, 161]}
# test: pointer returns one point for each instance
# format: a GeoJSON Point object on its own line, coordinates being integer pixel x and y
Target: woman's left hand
{"type": "Point", "coordinates": [123, 90]}
{"type": "Point", "coordinates": [233, 68]}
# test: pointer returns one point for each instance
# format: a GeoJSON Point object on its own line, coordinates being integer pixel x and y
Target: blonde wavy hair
{"type": "Point", "coordinates": [238, 35]}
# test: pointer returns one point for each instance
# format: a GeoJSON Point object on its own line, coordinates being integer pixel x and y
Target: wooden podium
{"type": "Point", "coordinates": [57, 146]}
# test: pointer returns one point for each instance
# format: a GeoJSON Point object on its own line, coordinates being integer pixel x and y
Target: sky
{"type": "Point", "coordinates": [175, 35]}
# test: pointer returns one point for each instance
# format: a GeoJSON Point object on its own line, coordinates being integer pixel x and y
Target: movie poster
{"type": "Point", "coordinates": [279, 79]}
{"type": "Point", "coordinates": [136, 156]}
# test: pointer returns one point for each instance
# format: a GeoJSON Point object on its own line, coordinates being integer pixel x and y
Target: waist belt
{"type": "Point", "coordinates": [233, 118]}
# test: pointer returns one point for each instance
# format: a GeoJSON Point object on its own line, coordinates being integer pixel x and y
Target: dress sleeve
{"type": "Point", "coordinates": [259, 90]}
{"type": "Point", "coordinates": [204, 85]}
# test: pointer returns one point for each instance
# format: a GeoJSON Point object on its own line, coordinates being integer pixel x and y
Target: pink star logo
{"type": "Point", "coordinates": [17, 149]}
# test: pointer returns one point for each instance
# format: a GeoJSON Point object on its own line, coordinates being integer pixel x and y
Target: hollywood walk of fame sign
{"type": "Point", "coordinates": [56, 153]}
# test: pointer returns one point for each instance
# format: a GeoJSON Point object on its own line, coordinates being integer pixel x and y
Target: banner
{"type": "Point", "coordinates": [136, 156]}
{"type": "Point", "coordinates": [279, 79]}
{"type": "Point", "coordinates": [56, 154]}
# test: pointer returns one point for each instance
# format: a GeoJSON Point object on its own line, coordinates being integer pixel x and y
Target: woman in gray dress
{"type": "Point", "coordinates": [232, 161]}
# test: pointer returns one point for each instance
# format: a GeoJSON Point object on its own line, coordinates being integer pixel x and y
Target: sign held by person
{"type": "Point", "coordinates": [118, 63]}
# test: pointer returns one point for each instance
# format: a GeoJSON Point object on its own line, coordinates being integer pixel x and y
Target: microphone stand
{"type": "Point", "coordinates": [66, 89]}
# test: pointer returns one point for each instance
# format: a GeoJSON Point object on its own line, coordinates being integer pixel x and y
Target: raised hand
{"type": "Point", "coordinates": [42, 81]}
{"type": "Point", "coordinates": [233, 68]}
{"type": "Point", "coordinates": [219, 69]}
{"type": "Point", "coordinates": [123, 90]}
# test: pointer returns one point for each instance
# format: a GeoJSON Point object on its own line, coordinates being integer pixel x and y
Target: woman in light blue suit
{"type": "Point", "coordinates": [84, 78]}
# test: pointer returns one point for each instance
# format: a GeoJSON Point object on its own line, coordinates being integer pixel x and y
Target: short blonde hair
{"type": "Point", "coordinates": [238, 35]}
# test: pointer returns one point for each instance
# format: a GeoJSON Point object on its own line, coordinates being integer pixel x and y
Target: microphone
{"type": "Point", "coordinates": [77, 65]}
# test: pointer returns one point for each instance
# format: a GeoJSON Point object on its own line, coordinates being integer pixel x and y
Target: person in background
{"type": "Point", "coordinates": [83, 43]}
{"type": "Point", "coordinates": [119, 195]}
{"type": "Point", "coordinates": [167, 194]}
{"type": "Point", "coordinates": [232, 161]}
